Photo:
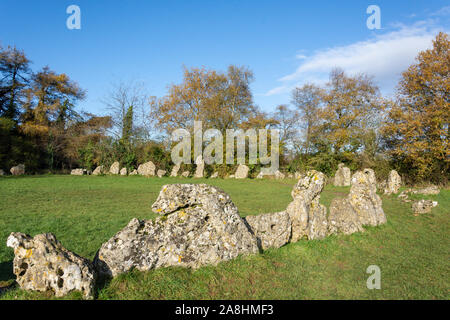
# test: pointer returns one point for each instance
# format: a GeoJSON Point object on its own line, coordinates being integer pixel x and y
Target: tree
{"type": "Point", "coordinates": [14, 72]}
{"type": "Point", "coordinates": [221, 100]}
{"type": "Point", "coordinates": [307, 100]}
{"type": "Point", "coordinates": [351, 104]}
{"type": "Point", "coordinates": [417, 130]}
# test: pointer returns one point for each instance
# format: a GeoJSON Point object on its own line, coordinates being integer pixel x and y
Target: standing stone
{"type": "Point", "coordinates": [241, 172]}
{"type": "Point", "coordinates": [175, 170]}
{"type": "Point", "coordinates": [214, 175]}
{"type": "Point", "coordinates": [115, 167]}
{"type": "Point", "coordinates": [308, 216]}
{"type": "Point", "coordinates": [77, 172]}
{"type": "Point", "coordinates": [200, 166]}
{"type": "Point", "coordinates": [133, 173]}
{"type": "Point", "coordinates": [200, 225]}
{"type": "Point", "coordinates": [343, 176]}
{"type": "Point", "coordinates": [123, 171]}
{"type": "Point", "coordinates": [394, 183]}
{"type": "Point", "coordinates": [343, 218]}
{"type": "Point", "coordinates": [161, 173]}
{"type": "Point", "coordinates": [260, 175]}
{"type": "Point", "coordinates": [99, 170]}
{"type": "Point", "coordinates": [2, 173]}
{"type": "Point", "coordinates": [43, 264]}
{"type": "Point", "coordinates": [147, 169]}
{"type": "Point", "coordinates": [423, 206]}
{"type": "Point", "coordinates": [272, 230]}
{"type": "Point", "coordinates": [185, 174]}
{"type": "Point", "coordinates": [18, 170]}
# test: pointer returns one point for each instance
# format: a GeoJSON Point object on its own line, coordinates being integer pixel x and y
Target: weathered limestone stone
{"type": "Point", "coordinates": [430, 190]}
{"type": "Point", "coordinates": [214, 175]}
{"type": "Point", "coordinates": [260, 175]}
{"type": "Point", "coordinates": [123, 171]}
{"type": "Point", "coordinates": [115, 167]}
{"type": "Point", "coordinates": [343, 218]}
{"type": "Point", "coordinates": [200, 225]}
{"type": "Point", "coordinates": [99, 170]}
{"type": "Point", "coordinates": [18, 170]}
{"type": "Point", "coordinates": [147, 169]}
{"type": "Point", "coordinates": [185, 174]}
{"type": "Point", "coordinates": [364, 199]}
{"type": "Point", "coordinates": [272, 230]}
{"type": "Point", "coordinates": [394, 183]}
{"type": "Point", "coordinates": [175, 170]}
{"type": "Point", "coordinates": [231, 176]}
{"type": "Point", "coordinates": [241, 172]}
{"type": "Point", "coordinates": [77, 172]}
{"type": "Point", "coordinates": [423, 206]}
{"type": "Point", "coordinates": [308, 216]}
{"type": "Point", "coordinates": [342, 177]}
{"type": "Point", "coordinates": [279, 175]}
{"type": "Point", "coordinates": [360, 208]}
{"type": "Point", "coordinates": [200, 167]}
{"type": "Point", "coordinates": [42, 264]}
{"type": "Point", "coordinates": [161, 173]}
{"type": "Point", "coordinates": [133, 173]}
{"type": "Point", "coordinates": [2, 173]}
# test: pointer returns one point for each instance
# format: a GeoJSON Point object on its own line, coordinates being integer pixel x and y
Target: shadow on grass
{"type": "Point", "coordinates": [6, 271]}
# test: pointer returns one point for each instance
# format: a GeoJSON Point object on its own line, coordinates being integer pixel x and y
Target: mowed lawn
{"type": "Point", "coordinates": [413, 252]}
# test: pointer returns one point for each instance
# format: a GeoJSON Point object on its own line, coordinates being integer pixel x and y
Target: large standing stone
{"type": "Point", "coordinates": [77, 172]}
{"type": "Point", "coordinates": [147, 169]}
{"type": "Point", "coordinates": [241, 172]}
{"type": "Point", "coordinates": [43, 264]}
{"type": "Point", "coordinates": [99, 170]}
{"type": "Point", "coordinates": [364, 199]}
{"type": "Point", "coordinates": [200, 225]}
{"type": "Point", "coordinates": [308, 216]}
{"type": "Point", "coordinates": [18, 170]}
{"type": "Point", "coordinates": [200, 167]}
{"type": "Point", "coordinates": [342, 177]}
{"type": "Point", "coordinates": [123, 171]}
{"type": "Point", "coordinates": [161, 173]}
{"type": "Point", "coordinates": [115, 167]}
{"type": "Point", "coordinates": [175, 170]}
{"type": "Point", "coordinates": [394, 183]}
{"type": "Point", "coordinates": [272, 230]}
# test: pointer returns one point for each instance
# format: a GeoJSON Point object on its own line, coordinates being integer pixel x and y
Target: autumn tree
{"type": "Point", "coordinates": [221, 100]}
{"type": "Point", "coordinates": [417, 129]}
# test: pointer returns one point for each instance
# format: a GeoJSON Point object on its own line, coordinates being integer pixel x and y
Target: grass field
{"type": "Point", "coordinates": [83, 212]}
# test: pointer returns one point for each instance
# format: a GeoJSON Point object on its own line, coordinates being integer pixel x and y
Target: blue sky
{"type": "Point", "coordinates": [285, 43]}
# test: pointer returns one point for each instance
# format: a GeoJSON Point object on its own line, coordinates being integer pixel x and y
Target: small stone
{"type": "Point", "coordinates": [394, 183]}
{"type": "Point", "coordinates": [99, 170]}
{"type": "Point", "coordinates": [214, 175]}
{"type": "Point", "coordinates": [175, 170]}
{"type": "Point", "coordinates": [123, 171]}
{"type": "Point", "coordinates": [133, 173]}
{"type": "Point", "coordinates": [241, 172]}
{"type": "Point", "coordinates": [18, 170]}
{"type": "Point", "coordinates": [200, 167]}
{"type": "Point", "coordinates": [161, 173]}
{"type": "Point", "coordinates": [423, 206]}
{"type": "Point", "coordinates": [185, 174]}
{"type": "Point", "coordinates": [77, 172]}
{"type": "Point", "coordinates": [342, 177]}
{"type": "Point", "coordinates": [115, 167]}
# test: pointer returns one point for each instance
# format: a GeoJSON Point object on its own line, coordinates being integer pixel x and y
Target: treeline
{"type": "Point", "coordinates": [346, 120]}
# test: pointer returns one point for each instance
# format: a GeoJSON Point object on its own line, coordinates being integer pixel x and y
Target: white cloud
{"type": "Point", "coordinates": [383, 56]}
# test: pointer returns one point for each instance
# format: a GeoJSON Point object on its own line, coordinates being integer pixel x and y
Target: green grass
{"type": "Point", "coordinates": [83, 212]}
